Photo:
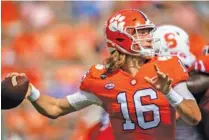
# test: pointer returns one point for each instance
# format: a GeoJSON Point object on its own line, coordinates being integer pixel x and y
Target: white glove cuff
{"type": "Point", "coordinates": [34, 95]}
{"type": "Point", "coordinates": [174, 98]}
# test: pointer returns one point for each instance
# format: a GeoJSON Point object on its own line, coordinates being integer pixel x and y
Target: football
{"type": "Point", "coordinates": [13, 91]}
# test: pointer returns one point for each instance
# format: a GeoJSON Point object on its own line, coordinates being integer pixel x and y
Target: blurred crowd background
{"type": "Point", "coordinates": [55, 43]}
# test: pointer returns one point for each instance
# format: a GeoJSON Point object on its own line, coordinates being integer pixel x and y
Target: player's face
{"type": "Point", "coordinates": [142, 36]}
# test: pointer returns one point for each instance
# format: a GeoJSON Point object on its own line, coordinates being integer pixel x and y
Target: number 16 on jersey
{"type": "Point", "coordinates": [140, 109]}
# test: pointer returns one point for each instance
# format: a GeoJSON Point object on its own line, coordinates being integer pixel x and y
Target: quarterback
{"type": "Point", "coordinates": [141, 92]}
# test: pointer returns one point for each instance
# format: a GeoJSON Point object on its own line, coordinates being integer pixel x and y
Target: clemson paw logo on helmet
{"type": "Point", "coordinates": [117, 23]}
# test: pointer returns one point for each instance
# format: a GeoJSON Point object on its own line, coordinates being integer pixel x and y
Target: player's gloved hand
{"type": "Point", "coordinates": [162, 82]}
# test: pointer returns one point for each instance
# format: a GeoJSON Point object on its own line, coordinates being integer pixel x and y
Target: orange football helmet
{"type": "Point", "coordinates": [119, 32]}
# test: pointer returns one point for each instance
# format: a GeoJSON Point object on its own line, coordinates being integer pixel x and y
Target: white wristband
{"type": "Point", "coordinates": [34, 95]}
{"type": "Point", "coordinates": [174, 98]}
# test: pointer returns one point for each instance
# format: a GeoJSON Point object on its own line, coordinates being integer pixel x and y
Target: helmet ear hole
{"type": "Point", "coordinates": [120, 39]}
{"type": "Point", "coordinates": [134, 19]}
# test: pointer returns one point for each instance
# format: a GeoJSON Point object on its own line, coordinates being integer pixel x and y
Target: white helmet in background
{"type": "Point", "coordinates": [174, 41]}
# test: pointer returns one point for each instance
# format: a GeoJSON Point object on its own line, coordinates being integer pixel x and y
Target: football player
{"type": "Point", "coordinates": [175, 42]}
{"type": "Point", "coordinates": [199, 83]}
{"type": "Point", "coordinates": [140, 92]}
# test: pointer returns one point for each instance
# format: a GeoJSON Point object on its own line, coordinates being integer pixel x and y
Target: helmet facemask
{"type": "Point", "coordinates": [144, 46]}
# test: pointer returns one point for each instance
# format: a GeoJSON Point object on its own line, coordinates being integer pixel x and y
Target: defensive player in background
{"type": "Point", "coordinates": [140, 92]}
{"type": "Point", "coordinates": [198, 84]}
{"type": "Point", "coordinates": [175, 42]}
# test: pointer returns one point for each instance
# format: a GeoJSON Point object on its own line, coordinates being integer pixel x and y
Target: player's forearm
{"type": "Point", "coordinates": [189, 112]}
{"type": "Point", "coordinates": [49, 106]}
{"type": "Point", "coordinates": [181, 98]}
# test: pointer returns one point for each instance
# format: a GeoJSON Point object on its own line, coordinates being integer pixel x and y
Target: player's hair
{"type": "Point", "coordinates": [115, 61]}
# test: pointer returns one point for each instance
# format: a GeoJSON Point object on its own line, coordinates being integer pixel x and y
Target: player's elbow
{"type": "Point", "coordinates": [197, 119]}
{"type": "Point", "coordinates": [54, 113]}
{"type": "Point", "coordinates": [197, 116]}
{"type": "Point", "coordinates": [48, 114]}
{"type": "Point", "coordinates": [52, 116]}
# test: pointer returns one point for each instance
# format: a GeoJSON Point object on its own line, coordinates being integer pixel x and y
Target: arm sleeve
{"type": "Point", "coordinates": [82, 99]}
{"type": "Point", "coordinates": [181, 89]}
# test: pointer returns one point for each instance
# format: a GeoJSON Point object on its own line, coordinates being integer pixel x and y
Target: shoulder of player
{"type": "Point", "coordinates": [170, 64]}
{"type": "Point", "coordinates": [89, 80]}
{"type": "Point", "coordinates": [97, 70]}
{"type": "Point", "coordinates": [171, 60]}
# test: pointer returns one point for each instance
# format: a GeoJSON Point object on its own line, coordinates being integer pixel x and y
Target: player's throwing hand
{"type": "Point", "coordinates": [162, 82]}
{"type": "Point", "coordinates": [20, 74]}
